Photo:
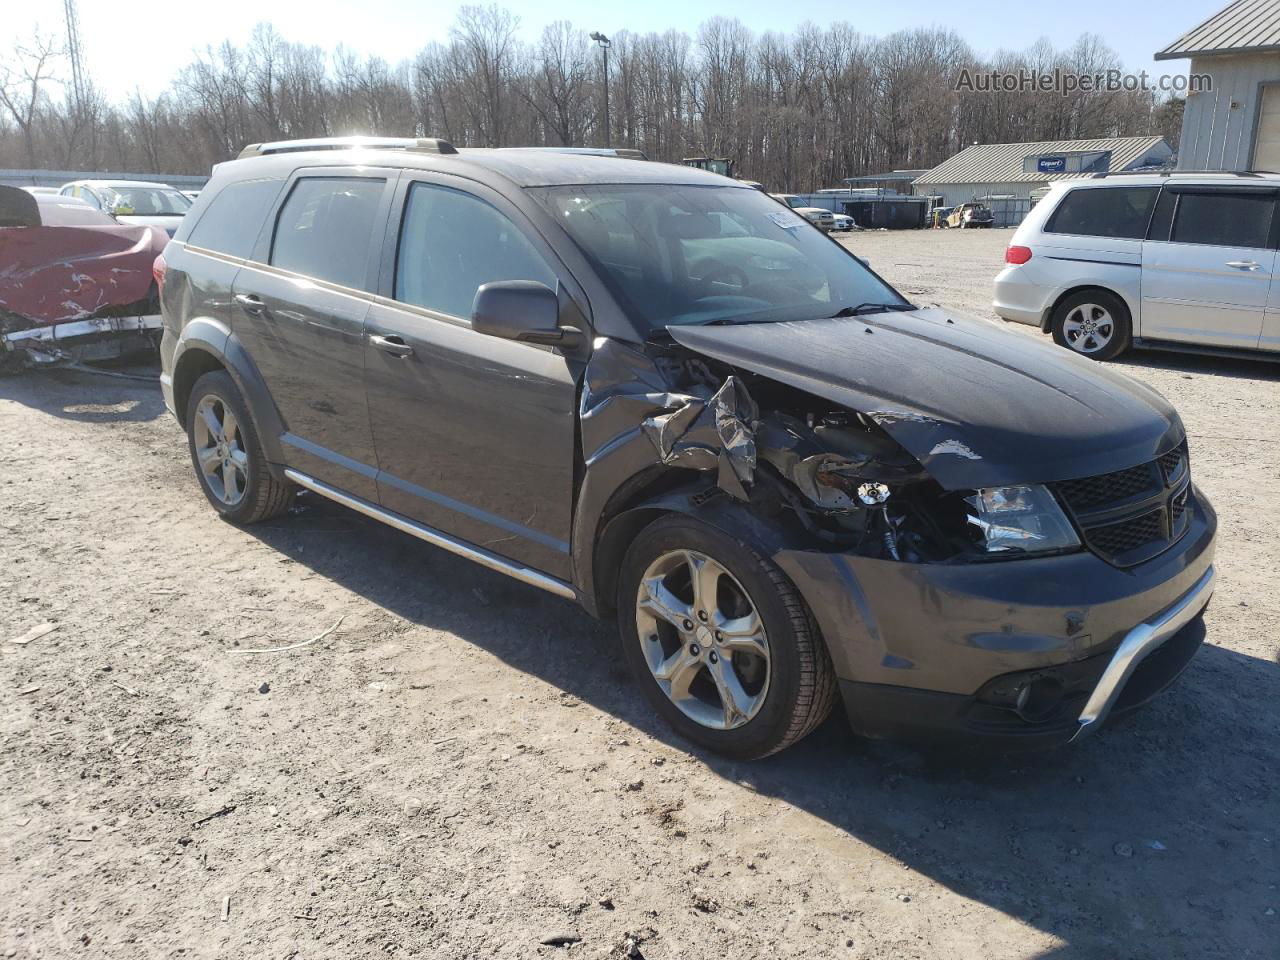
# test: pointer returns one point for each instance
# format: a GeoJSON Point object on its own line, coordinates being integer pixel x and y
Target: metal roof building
{"type": "Point", "coordinates": [1015, 170]}
{"type": "Point", "coordinates": [1233, 121]}
{"type": "Point", "coordinates": [1245, 26]}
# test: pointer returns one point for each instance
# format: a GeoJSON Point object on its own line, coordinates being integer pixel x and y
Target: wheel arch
{"type": "Point", "coordinates": [207, 345]}
{"type": "Point", "coordinates": [1046, 320]}
{"type": "Point", "coordinates": [660, 493]}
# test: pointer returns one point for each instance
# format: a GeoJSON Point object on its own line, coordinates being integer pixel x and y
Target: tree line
{"type": "Point", "coordinates": [798, 111]}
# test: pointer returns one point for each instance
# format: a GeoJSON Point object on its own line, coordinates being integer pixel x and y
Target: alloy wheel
{"type": "Point", "coordinates": [1088, 328]}
{"type": "Point", "coordinates": [220, 450]}
{"type": "Point", "coordinates": [703, 639]}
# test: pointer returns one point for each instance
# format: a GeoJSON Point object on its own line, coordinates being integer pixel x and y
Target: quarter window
{"type": "Point", "coordinates": [1120, 212]}
{"type": "Point", "coordinates": [452, 243]}
{"type": "Point", "coordinates": [232, 220]}
{"type": "Point", "coordinates": [1223, 219]}
{"type": "Point", "coordinates": [325, 228]}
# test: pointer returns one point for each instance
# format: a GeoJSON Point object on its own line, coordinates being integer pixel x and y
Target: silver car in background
{"type": "Point", "coordinates": [1168, 261]}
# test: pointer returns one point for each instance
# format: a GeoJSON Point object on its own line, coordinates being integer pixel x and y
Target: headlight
{"type": "Point", "coordinates": [1021, 519]}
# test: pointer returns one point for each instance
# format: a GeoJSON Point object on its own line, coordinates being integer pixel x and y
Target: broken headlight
{"type": "Point", "coordinates": [1020, 519]}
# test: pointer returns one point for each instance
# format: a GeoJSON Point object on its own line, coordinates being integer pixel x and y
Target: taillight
{"type": "Point", "coordinates": [157, 270]}
{"type": "Point", "coordinates": [1014, 254]}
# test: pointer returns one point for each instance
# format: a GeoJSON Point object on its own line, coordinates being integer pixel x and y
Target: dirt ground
{"type": "Point", "coordinates": [459, 767]}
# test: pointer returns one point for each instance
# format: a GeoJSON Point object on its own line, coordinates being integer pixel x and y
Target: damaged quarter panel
{"type": "Point", "coordinates": [977, 405]}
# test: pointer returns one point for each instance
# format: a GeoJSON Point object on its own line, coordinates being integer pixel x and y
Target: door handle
{"type": "Point", "coordinates": [393, 345]}
{"type": "Point", "coordinates": [250, 303]}
{"type": "Point", "coordinates": [1244, 264]}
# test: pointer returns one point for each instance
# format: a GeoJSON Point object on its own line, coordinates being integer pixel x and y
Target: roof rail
{"type": "Point", "coordinates": [1182, 173]}
{"type": "Point", "coordinates": [415, 145]}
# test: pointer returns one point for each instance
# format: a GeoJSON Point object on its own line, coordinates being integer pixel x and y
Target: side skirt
{"type": "Point", "coordinates": [437, 538]}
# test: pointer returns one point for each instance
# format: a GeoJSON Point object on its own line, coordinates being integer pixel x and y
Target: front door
{"type": "Point", "coordinates": [1207, 267]}
{"type": "Point", "coordinates": [301, 316]}
{"type": "Point", "coordinates": [474, 434]}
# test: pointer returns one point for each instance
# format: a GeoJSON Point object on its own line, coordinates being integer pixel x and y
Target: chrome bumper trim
{"type": "Point", "coordinates": [436, 538]}
{"type": "Point", "coordinates": [1137, 644]}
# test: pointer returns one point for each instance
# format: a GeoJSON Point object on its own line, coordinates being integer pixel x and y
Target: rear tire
{"type": "Point", "coordinates": [227, 456]}
{"type": "Point", "coordinates": [1092, 323]}
{"type": "Point", "coordinates": [779, 678]}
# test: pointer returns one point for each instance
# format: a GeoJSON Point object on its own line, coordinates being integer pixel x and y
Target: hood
{"type": "Point", "coordinates": [167, 222]}
{"type": "Point", "coordinates": [976, 404]}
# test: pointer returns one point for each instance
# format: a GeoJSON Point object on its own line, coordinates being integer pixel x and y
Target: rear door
{"type": "Point", "coordinates": [475, 435]}
{"type": "Point", "coordinates": [299, 310]}
{"type": "Point", "coordinates": [1207, 265]}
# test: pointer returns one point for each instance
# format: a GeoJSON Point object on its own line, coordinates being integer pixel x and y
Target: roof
{"type": "Point", "coordinates": [1002, 162]}
{"type": "Point", "coordinates": [526, 167]}
{"type": "Point", "coordinates": [1246, 26]}
{"type": "Point", "coordinates": [124, 183]}
{"type": "Point", "coordinates": [891, 175]}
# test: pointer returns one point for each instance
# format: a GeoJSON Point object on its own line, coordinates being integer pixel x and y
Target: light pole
{"type": "Point", "coordinates": [604, 43]}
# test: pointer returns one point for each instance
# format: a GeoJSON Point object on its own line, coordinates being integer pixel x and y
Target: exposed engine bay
{"type": "Point", "coordinates": [788, 455]}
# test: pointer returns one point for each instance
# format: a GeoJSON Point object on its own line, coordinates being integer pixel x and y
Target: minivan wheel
{"type": "Point", "coordinates": [1093, 323]}
{"type": "Point", "coordinates": [227, 456]}
{"type": "Point", "coordinates": [720, 641]}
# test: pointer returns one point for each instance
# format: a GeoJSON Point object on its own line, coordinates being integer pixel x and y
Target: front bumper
{"type": "Point", "coordinates": [929, 649]}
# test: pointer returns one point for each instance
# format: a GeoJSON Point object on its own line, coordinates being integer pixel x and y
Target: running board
{"type": "Point", "coordinates": [437, 539]}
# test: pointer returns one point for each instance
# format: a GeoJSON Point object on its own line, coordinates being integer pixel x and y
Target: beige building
{"type": "Point", "coordinates": [1235, 125]}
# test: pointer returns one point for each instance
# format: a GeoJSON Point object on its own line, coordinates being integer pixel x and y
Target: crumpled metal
{"type": "Point", "coordinates": [717, 433]}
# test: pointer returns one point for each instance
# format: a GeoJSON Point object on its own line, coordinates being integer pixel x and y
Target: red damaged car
{"type": "Point", "coordinates": [74, 283]}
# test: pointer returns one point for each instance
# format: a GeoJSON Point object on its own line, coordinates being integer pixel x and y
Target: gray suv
{"type": "Point", "coordinates": [656, 392]}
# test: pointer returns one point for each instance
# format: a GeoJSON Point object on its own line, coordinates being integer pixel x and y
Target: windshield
{"type": "Point", "coordinates": [679, 254]}
{"type": "Point", "coordinates": [147, 201]}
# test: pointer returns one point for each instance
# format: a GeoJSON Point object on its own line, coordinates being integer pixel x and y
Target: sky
{"type": "Point", "coordinates": [141, 44]}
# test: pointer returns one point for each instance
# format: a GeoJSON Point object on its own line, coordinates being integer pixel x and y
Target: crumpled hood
{"type": "Point", "coordinates": [976, 404]}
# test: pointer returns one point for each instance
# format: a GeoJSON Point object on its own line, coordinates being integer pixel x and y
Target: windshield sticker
{"type": "Point", "coordinates": [787, 220]}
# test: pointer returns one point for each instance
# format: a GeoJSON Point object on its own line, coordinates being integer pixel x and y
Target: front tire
{"type": "Point", "coordinates": [720, 641]}
{"type": "Point", "coordinates": [227, 455]}
{"type": "Point", "coordinates": [1092, 323]}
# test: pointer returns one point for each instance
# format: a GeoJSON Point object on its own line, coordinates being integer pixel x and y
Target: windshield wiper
{"type": "Point", "coordinates": [869, 307]}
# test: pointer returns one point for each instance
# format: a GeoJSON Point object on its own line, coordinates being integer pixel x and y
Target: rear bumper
{"type": "Point", "coordinates": [1018, 297]}
{"type": "Point", "coordinates": [1032, 652]}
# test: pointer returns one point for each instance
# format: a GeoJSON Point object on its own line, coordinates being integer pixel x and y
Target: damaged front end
{"type": "Point", "coordinates": [827, 477]}
{"type": "Point", "coordinates": [72, 291]}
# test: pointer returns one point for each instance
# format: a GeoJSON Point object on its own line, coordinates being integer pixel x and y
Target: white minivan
{"type": "Point", "coordinates": [1170, 261]}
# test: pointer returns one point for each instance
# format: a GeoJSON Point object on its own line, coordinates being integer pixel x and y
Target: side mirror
{"type": "Point", "coordinates": [522, 310]}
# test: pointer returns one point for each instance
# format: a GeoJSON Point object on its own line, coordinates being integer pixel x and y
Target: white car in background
{"type": "Point", "coordinates": [133, 201]}
{"type": "Point", "coordinates": [843, 222]}
{"type": "Point", "coordinates": [1167, 261]}
{"type": "Point", "coordinates": [820, 218]}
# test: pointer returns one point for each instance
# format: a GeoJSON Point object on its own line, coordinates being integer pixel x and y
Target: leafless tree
{"type": "Point", "coordinates": [798, 111]}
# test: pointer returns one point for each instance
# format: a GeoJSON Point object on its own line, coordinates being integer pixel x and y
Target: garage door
{"type": "Point", "coordinates": [1266, 149]}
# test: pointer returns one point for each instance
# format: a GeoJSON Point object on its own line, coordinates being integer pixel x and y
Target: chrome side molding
{"type": "Point", "coordinates": [1138, 642]}
{"type": "Point", "coordinates": [436, 538]}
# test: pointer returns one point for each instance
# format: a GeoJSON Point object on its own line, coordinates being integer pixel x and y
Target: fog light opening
{"type": "Point", "coordinates": [1038, 700]}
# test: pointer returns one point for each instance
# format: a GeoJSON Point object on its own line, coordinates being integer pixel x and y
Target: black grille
{"type": "Point", "coordinates": [1173, 463]}
{"type": "Point", "coordinates": [1134, 514]}
{"type": "Point", "coordinates": [1117, 538]}
{"type": "Point", "coordinates": [1090, 492]}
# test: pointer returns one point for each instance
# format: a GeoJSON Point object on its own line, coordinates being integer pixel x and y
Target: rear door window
{"type": "Point", "coordinates": [452, 243]}
{"type": "Point", "coordinates": [231, 222]}
{"type": "Point", "coordinates": [1120, 212]}
{"type": "Point", "coordinates": [325, 229]}
{"type": "Point", "coordinates": [1222, 219]}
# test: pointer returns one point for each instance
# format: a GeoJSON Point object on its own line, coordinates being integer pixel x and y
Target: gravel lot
{"type": "Point", "coordinates": [461, 769]}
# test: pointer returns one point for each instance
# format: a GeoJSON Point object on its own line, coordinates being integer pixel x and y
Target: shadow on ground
{"type": "Point", "coordinates": [62, 392]}
{"type": "Point", "coordinates": [1235, 368]}
{"type": "Point", "coordinates": [1154, 839]}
